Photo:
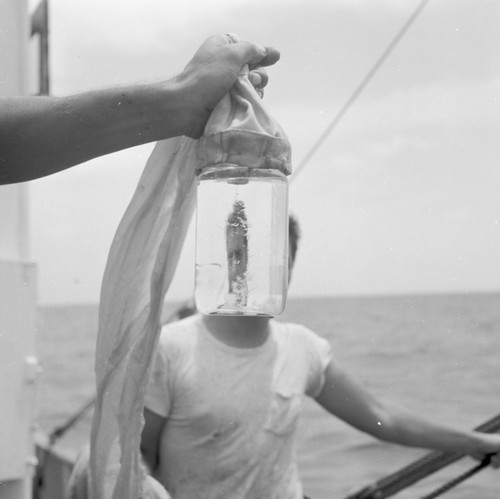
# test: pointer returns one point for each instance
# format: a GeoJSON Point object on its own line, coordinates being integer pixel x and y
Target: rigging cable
{"type": "Point", "coordinates": [360, 87]}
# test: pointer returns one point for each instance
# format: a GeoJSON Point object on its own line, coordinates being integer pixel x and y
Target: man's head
{"type": "Point", "coordinates": [293, 241]}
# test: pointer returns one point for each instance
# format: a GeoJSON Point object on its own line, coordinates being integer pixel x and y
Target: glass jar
{"type": "Point", "coordinates": [241, 241]}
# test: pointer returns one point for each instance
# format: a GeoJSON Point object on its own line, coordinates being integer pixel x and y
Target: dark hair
{"type": "Point", "coordinates": [293, 235]}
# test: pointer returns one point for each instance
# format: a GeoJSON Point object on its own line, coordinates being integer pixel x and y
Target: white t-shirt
{"type": "Point", "coordinates": [232, 412]}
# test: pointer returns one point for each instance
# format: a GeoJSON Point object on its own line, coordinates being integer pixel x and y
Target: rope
{"type": "Point", "coordinates": [61, 430]}
{"type": "Point", "coordinates": [360, 87]}
{"type": "Point", "coordinates": [453, 483]}
{"type": "Point", "coordinates": [428, 464]}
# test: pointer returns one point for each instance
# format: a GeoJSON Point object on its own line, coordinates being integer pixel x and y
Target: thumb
{"type": "Point", "coordinates": [255, 55]}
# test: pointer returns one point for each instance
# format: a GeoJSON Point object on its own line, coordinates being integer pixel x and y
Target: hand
{"type": "Point", "coordinates": [489, 445]}
{"type": "Point", "coordinates": [495, 461]}
{"type": "Point", "coordinates": [213, 70]}
{"type": "Point", "coordinates": [152, 489]}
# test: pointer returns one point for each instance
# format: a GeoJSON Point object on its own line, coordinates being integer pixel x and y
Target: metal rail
{"type": "Point", "coordinates": [421, 468]}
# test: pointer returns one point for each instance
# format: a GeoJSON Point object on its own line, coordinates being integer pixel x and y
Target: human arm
{"type": "Point", "coordinates": [150, 438]}
{"type": "Point", "coordinates": [40, 136]}
{"type": "Point", "coordinates": [349, 400]}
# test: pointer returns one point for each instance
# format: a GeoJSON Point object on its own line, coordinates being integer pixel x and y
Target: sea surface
{"type": "Point", "coordinates": [438, 355]}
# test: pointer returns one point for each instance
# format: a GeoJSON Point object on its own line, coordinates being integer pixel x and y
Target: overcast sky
{"type": "Point", "coordinates": [403, 197]}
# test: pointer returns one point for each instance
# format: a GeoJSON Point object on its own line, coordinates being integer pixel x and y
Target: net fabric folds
{"type": "Point", "coordinates": [241, 131]}
{"type": "Point", "coordinates": [140, 267]}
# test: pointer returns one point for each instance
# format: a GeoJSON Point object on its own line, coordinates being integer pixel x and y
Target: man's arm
{"type": "Point", "coordinates": [347, 399]}
{"type": "Point", "coordinates": [43, 135]}
{"type": "Point", "coordinates": [150, 438]}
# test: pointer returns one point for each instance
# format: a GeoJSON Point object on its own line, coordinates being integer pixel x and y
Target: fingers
{"type": "Point", "coordinates": [258, 77]}
{"type": "Point", "coordinates": [272, 57]}
{"type": "Point", "coordinates": [493, 459]}
{"type": "Point", "coordinates": [256, 55]}
{"type": "Point", "coordinates": [214, 68]}
{"type": "Point", "coordinates": [232, 37]}
{"type": "Point", "coordinates": [246, 53]}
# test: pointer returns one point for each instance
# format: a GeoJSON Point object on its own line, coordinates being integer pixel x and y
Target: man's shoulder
{"type": "Point", "coordinates": [299, 336]}
{"type": "Point", "coordinates": [293, 330]}
{"type": "Point", "coordinates": [180, 332]}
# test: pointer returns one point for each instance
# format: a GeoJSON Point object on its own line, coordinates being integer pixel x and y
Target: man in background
{"type": "Point", "coordinates": [225, 396]}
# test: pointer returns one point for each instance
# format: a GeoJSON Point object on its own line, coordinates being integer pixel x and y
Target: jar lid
{"type": "Point", "coordinates": [245, 148]}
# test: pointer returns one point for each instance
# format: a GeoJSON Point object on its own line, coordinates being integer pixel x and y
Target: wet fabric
{"type": "Point", "coordinates": [241, 131]}
{"type": "Point", "coordinates": [140, 267]}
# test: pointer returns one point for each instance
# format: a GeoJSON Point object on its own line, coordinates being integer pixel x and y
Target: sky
{"type": "Point", "coordinates": [402, 197]}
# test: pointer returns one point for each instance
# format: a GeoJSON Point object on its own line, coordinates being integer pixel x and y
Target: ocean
{"type": "Point", "coordinates": [437, 355]}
